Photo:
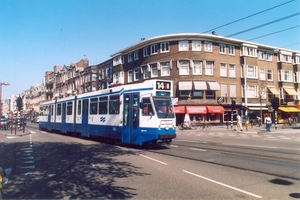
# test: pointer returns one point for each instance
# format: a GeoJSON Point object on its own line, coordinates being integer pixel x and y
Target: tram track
{"type": "Point", "coordinates": [256, 154]}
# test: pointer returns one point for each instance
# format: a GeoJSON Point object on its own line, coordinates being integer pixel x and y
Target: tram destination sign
{"type": "Point", "coordinates": [163, 85]}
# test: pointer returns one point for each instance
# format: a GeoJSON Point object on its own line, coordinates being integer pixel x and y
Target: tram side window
{"type": "Point", "coordinates": [93, 106]}
{"type": "Point", "coordinates": [79, 108]}
{"type": "Point", "coordinates": [58, 110]}
{"type": "Point", "coordinates": [69, 108]}
{"type": "Point", "coordinates": [52, 110]}
{"type": "Point", "coordinates": [103, 105]}
{"type": "Point", "coordinates": [114, 104]}
{"type": "Point", "coordinates": [147, 107]}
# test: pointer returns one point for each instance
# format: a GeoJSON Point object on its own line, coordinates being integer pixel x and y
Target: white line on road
{"type": "Point", "coordinates": [225, 185]}
{"type": "Point", "coordinates": [250, 146]}
{"type": "Point", "coordinates": [197, 149]}
{"type": "Point", "coordinates": [191, 141]}
{"type": "Point", "coordinates": [153, 159]}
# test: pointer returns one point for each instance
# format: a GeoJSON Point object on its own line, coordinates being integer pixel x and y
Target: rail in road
{"type": "Point", "coordinates": [262, 159]}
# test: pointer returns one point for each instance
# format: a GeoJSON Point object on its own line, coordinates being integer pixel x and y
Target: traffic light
{"type": "Point", "coordinates": [233, 104]}
{"type": "Point", "coordinates": [275, 103]}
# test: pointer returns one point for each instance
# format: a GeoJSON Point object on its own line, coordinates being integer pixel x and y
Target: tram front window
{"type": "Point", "coordinates": [163, 107]}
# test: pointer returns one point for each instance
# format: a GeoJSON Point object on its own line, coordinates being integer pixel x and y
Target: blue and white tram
{"type": "Point", "coordinates": [136, 114]}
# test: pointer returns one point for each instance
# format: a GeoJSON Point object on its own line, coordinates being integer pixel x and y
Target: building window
{"type": "Point", "coordinates": [154, 70]}
{"type": "Point", "coordinates": [231, 50]}
{"type": "Point", "coordinates": [164, 47]}
{"type": "Point", "coordinates": [129, 57]}
{"type": "Point", "coordinates": [198, 93]}
{"type": "Point", "coordinates": [224, 90]}
{"type": "Point", "coordinates": [183, 45]}
{"type": "Point", "coordinates": [223, 69]}
{"type": "Point", "coordinates": [286, 58]}
{"type": "Point", "coordinates": [261, 55]}
{"type": "Point", "coordinates": [249, 51]}
{"type": "Point", "coordinates": [286, 75]}
{"type": "Point", "coordinates": [136, 55]}
{"type": "Point", "coordinates": [251, 71]}
{"type": "Point", "coordinates": [232, 90]}
{"type": "Point", "coordinates": [222, 48]}
{"type": "Point", "coordinates": [297, 77]}
{"type": "Point", "coordinates": [208, 46]}
{"type": "Point", "coordinates": [165, 68]}
{"type": "Point", "coordinates": [136, 74]}
{"type": "Point", "coordinates": [297, 59]}
{"type": "Point", "coordinates": [146, 73]}
{"type": "Point", "coordinates": [209, 68]}
{"type": "Point", "coordinates": [232, 73]}
{"type": "Point", "coordinates": [270, 75]}
{"type": "Point", "coordinates": [184, 93]}
{"type": "Point", "coordinates": [262, 74]}
{"type": "Point", "coordinates": [118, 60]}
{"type": "Point", "coordinates": [183, 67]}
{"type": "Point", "coordinates": [196, 45]}
{"type": "Point", "coordinates": [146, 51]}
{"type": "Point", "coordinates": [153, 49]}
{"type": "Point", "coordinates": [269, 56]}
{"type": "Point", "coordinates": [210, 94]}
{"type": "Point", "coordinates": [197, 67]}
{"type": "Point", "coordinates": [130, 76]}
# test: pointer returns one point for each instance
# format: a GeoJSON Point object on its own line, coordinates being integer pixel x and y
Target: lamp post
{"type": "Point", "coordinates": [1, 83]}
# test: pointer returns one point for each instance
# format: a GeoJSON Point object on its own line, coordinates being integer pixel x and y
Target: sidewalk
{"type": "Point", "coordinates": [18, 133]}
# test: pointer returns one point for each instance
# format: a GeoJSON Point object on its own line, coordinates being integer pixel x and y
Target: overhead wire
{"type": "Point", "coordinates": [248, 16]}
{"type": "Point", "coordinates": [273, 33]}
{"type": "Point", "coordinates": [262, 25]}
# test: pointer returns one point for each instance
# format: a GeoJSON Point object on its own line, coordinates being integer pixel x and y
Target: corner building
{"type": "Point", "coordinates": [209, 72]}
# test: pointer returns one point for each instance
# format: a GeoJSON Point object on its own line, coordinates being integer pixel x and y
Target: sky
{"type": "Point", "coordinates": [36, 35]}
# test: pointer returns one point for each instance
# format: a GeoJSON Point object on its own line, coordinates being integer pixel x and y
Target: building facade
{"type": "Point", "coordinates": [208, 71]}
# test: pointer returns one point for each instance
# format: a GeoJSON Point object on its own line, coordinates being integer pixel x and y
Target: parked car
{"type": "Point", "coordinates": [5, 122]}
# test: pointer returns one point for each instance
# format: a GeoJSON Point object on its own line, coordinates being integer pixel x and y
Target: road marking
{"type": "Point", "coordinates": [153, 159]}
{"type": "Point", "coordinates": [225, 185]}
{"type": "Point", "coordinates": [250, 146]}
{"type": "Point", "coordinates": [191, 141]}
{"type": "Point", "coordinates": [197, 149]}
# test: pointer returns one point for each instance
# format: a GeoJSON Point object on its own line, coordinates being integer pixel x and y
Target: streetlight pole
{"type": "Point", "coordinates": [1, 83]}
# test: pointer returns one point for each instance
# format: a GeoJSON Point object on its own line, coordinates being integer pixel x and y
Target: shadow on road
{"type": "Point", "coordinates": [67, 171]}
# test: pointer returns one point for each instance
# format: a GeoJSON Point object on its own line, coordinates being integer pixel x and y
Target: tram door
{"type": "Point", "coordinates": [85, 118]}
{"type": "Point", "coordinates": [131, 118]}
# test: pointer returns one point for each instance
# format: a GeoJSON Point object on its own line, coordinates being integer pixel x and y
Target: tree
{"type": "Point", "coordinates": [19, 102]}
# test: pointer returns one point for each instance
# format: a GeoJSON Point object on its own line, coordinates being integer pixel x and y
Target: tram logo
{"type": "Point", "coordinates": [102, 119]}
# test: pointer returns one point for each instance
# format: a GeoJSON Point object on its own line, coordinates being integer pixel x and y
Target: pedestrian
{"type": "Point", "coordinates": [268, 122]}
{"type": "Point", "coordinates": [239, 122]}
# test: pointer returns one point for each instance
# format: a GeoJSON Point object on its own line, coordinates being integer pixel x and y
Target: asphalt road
{"type": "Point", "coordinates": [198, 165]}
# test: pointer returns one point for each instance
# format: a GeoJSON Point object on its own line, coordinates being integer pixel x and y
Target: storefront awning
{"type": "Point", "coordinates": [213, 86]}
{"type": "Point", "coordinates": [200, 85]}
{"type": "Point", "coordinates": [215, 109]}
{"type": "Point", "coordinates": [196, 109]}
{"type": "Point", "coordinates": [291, 91]}
{"type": "Point", "coordinates": [273, 90]}
{"type": "Point", "coordinates": [179, 109]}
{"type": "Point", "coordinates": [185, 85]}
{"type": "Point", "coordinates": [289, 109]}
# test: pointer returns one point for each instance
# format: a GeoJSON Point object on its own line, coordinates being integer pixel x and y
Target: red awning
{"type": "Point", "coordinates": [196, 109]}
{"type": "Point", "coordinates": [215, 109]}
{"type": "Point", "coordinates": [179, 109]}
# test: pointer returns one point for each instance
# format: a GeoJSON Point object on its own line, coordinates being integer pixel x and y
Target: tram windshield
{"type": "Point", "coordinates": [163, 107]}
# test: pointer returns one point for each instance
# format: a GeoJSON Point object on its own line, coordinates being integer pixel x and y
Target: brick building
{"type": "Point", "coordinates": [208, 72]}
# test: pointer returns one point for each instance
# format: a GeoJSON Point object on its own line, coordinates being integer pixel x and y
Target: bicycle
{"type": "Point", "coordinates": [289, 122]}
{"type": "Point", "coordinates": [185, 126]}
{"type": "Point", "coordinates": [201, 125]}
